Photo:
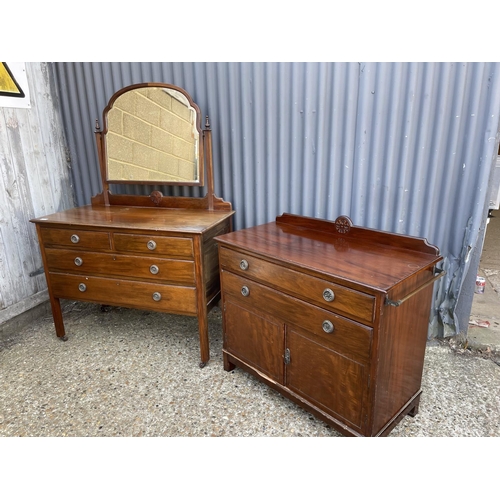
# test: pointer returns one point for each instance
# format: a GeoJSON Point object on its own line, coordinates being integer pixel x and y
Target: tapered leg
{"type": "Point", "coordinates": [58, 319]}
{"type": "Point", "coordinates": [54, 302]}
{"type": "Point", "coordinates": [203, 333]}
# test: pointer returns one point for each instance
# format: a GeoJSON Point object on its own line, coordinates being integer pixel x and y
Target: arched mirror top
{"type": "Point", "coordinates": [152, 135]}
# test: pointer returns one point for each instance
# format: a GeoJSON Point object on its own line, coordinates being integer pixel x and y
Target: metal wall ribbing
{"type": "Point", "coordinates": [403, 147]}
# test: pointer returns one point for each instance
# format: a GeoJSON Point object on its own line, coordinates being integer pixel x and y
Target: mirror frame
{"type": "Point", "coordinates": [101, 138]}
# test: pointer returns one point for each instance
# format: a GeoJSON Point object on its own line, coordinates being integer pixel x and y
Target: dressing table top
{"type": "Point", "coordinates": [138, 218]}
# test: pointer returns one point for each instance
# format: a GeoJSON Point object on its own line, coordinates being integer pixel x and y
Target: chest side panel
{"type": "Point", "coordinates": [401, 352]}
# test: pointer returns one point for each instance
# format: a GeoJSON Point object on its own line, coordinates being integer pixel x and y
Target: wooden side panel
{"type": "Point", "coordinates": [401, 350]}
{"type": "Point", "coordinates": [211, 258]}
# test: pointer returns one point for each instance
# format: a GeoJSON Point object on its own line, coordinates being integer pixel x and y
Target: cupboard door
{"type": "Point", "coordinates": [255, 338]}
{"type": "Point", "coordinates": [330, 381]}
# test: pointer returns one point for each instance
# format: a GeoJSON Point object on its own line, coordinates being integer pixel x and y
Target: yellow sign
{"type": "Point", "coordinates": [14, 89]}
{"type": "Point", "coordinates": [8, 84]}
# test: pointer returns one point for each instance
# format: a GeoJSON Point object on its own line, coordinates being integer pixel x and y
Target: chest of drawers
{"type": "Point", "coordinates": [148, 258]}
{"type": "Point", "coordinates": [333, 316]}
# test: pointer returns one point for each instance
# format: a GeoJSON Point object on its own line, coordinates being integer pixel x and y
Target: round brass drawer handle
{"type": "Point", "coordinates": [78, 261]}
{"type": "Point", "coordinates": [244, 265]}
{"type": "Point", "coordinates": [156, 296]}
{"type": "Point", "coordinates": [151, 244]}
{"type": "Point", "coordinates": [328, 294]}
{"type": "Point", "coordinates": [328, 326]}
{"type": "Point", "coordinates": [154, 269]}
{"type": "Point", "coordinates": [75, 238]}
{"type": "Point", "coordinates": [245, 291]}
{"type": "Point", "coordinates": [82, 287]}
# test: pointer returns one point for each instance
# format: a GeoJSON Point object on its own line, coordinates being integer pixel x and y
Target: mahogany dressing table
{"type": "Point", "coordinates": [148, 252]}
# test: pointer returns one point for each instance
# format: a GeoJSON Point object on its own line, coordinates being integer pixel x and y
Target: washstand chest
{"type": "Point", "coordinates": [331, 315]}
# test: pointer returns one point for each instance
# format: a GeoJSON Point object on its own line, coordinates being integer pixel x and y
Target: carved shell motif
{"type": "Point", "coordinates": [343, 224]}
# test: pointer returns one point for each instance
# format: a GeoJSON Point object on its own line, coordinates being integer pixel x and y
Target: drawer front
{"type": "Point", "coordinates": [154, 245]}
{"type": "Point", "coordinates": [142, 295]}
{"type": "Point", "coordinates": [338, 333]}
{"type": "Point", "coordinates": [76, 238]}
{"type": "Point", "coordinates": [108, 264]}
{"type": "Point", "coordinates": [339, 299]}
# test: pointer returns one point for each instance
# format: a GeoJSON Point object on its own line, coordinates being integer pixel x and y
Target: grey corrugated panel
{"type": "Point", "coordinates": [404, 147]}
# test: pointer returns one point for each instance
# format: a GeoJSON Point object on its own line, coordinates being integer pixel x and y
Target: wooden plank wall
{"type": "Point", "coordinates": [34, 181]}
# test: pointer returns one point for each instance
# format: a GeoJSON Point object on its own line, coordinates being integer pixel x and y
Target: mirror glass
{"type": "Point", "coordinates": [153, 136]}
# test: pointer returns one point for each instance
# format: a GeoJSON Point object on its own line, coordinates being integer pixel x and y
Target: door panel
{"type": "Point", "coordinates": [254, 338]}
{"type": "Point", "coordinates": [327, 379]}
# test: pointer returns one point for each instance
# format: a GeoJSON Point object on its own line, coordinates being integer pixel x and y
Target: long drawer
{"type": "Point", "coordinates": [341, 334]}
{"type": "Point", "coordinates": [142, 295]}
{"type": "Point", "coordinates": [336, 298]}
{"type": "Point", "coordinates": [126, 266]}
{"type": "Point", "coordinates": [76, 238]}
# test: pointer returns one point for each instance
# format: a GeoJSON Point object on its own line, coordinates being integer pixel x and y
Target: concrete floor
{"type": "Point", "coordinates": [135, 373]}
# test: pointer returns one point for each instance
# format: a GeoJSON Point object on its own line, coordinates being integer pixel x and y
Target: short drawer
{"type": "Point", "coordinates": [114, 292]}
{"type": "Point", "coordinates": [76, 238]}
{"type": "Point", "coordinates": [126, 266]}
{"type": "Point", "coordinates": [336, 332]}
{"type": "Point", "coordinates": [336, 298]}
{"type": "Point", "coordinates": [154, 245]}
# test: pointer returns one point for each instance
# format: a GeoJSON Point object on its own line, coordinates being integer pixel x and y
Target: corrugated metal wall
{"type": "Point", "coordinates": [403, 147]}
